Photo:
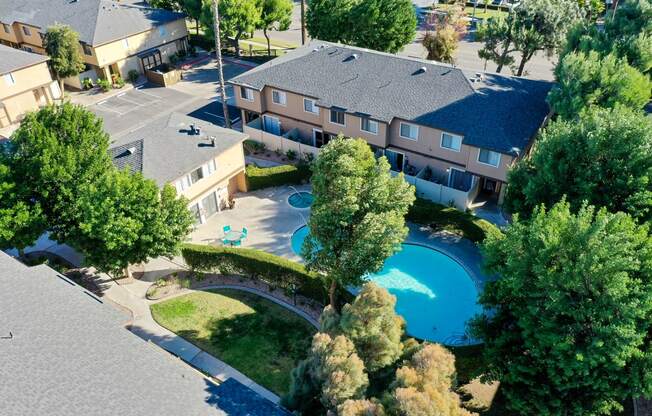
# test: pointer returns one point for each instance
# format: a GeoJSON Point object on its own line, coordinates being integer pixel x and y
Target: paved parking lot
{"type": "Point", "coordinates": [131, 110]}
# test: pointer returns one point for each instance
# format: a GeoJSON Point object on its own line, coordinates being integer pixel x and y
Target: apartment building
{"type": "Point", "coordinates": [26, 84]}
{"type": "Point", "coordinates": [115, 36]}
{"type": "Point", "coordinates": [436, 123]}
{"type": "Point", "coordinates": [204, 162]}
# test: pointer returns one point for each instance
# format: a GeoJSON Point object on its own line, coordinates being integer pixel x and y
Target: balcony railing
{"type": "Point", "coordinates": [288, 140]}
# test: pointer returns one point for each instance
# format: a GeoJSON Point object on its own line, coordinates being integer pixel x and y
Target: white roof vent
{"type": "Point", "coordinates": [355, 56]}
{"type": "Point", "coordinates": [131, 150]}
{"type": "Point", "coordinates": [479, 76]}
{"type": "Point", "coordinates": [423, 69]}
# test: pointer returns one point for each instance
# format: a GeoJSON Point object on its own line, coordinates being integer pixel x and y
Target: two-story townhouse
{"type": "Point", "coordinates": [25, 84]}
{"type": "Point", "coordinates": [458, 128]}
{"type": "Point", "coordinates": [204, 162]}
{"type": "Point", "coordinates": [115, 36]}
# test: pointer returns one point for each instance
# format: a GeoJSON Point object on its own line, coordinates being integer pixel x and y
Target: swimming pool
{"type": "Point", "coordinates": [300, 199]}
{"type": "Point", "coordinates": [434, 293]}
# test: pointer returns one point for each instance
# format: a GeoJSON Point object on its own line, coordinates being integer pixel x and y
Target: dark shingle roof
{"type": "Point", "coordinates": [96, 21]}
{"type": "Point", "coordinates": [164, 150]}
{"type": "Point", "coordinates": [498, 113]}
{"type": "Point", "coordinates": [12, 59]}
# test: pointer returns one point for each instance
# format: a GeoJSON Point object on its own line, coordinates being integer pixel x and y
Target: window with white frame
{"type": "Point", "coordinates": [246, 93]}
{"type": "Point", "coordinates": [182, 184]}
{"type": "Point", "coordinates": [369, 125]}
{"type": "Point", "coordinates": [196, 175]}
{"type": "Point", "coordinates": [309, 106]}
{"type": "Point", "coordinates": [337, 117]}
{"type": "Point", "coordinates": [26, 31]}
{"type": "Point", "coordinates": [489, 157]}
{"type": "Point", "coordinates": [125, 43]}
{"type": "Point", "coordinates": [451, 141]}
{"type": "Point", "coordinates": [279, 97]}
{"type": "Point", "coordinates": [87, 49]}
{"type": "Point", "coordinates": [210, 167]}
{"type": "Point", "coordinates": [409, 131]}
{"type": "Point", "coordinates": [6, 28]}
{"type": "Point", "coordinates": [9, 79]}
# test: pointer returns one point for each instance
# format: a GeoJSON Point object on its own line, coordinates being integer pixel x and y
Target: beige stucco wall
{"type": "Point", "coordinates": [254, 105]}
{"type": "Point", "coordinates": [293, 108]}
{"type": "Point", "coordinates": [228, 164]}
{"type": "Point", "coordinates": [9, 37]}
{"type": "Point", "coordinates": [499, 172]}
{"type": "Point", "coordinates": [351, 128]}
{"type": "Point", "coordinates": [116, 51]}
{"type": "Point", "coordinates": [19, 98]}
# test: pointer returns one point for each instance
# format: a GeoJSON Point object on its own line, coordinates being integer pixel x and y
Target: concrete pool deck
{"type": "Point", "coordinates": [271, 221]}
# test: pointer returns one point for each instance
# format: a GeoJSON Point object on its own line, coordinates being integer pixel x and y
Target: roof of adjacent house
{"type": "Point", "coordinates": [164, 149]}
{"type": "Point", "coordinates": [12, 59]}
{"type": "Point", "coordinates": [96, 21]}
{"type": "Point", "coordinates": [64, 351]}
{"type": "Point", "coordinates": [498, 113]}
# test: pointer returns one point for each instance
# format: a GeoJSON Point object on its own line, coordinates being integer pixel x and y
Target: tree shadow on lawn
{"type": "Point", "coordinates": [264, 345]}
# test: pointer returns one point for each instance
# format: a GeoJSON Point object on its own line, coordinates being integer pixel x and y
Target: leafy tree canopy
{"type": "Point", "coordinates": [54, 152]}
{"type": "Point", "coordinates": [586, 80]}
{"type": "Point", "coordinates": [124, 219]}
{"type": "Point", "coordinates": [357, 218]}
{"type": "Point", "coordinates": [61, 44]}
{"type": "Point", "coordinates": [237, 18]}
{"type": "Point", "coordinates": [385, 25]}
{"type": "Point", "coordinates": [603, 158]}
{"type": "Point", "coordinates": [275, 15]}
{"type": "Point", "coordinates": [571, 313]}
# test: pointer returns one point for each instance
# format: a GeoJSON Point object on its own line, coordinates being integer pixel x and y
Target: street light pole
{"type": "Point", "coordinates": [218, 54]}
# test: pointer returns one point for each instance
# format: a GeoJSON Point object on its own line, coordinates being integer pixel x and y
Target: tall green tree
{"type": "Point", "coordinates": [371, 323]}
{"type": "Point", "coordinates": [237, 19]}
{"type": "Point", "coordinates": [423, 386]}
{"type": "Point", "coordinates": [275, 15]}
{"type": "Point", "coordinates": [357, 218]}
{"type": "Point", "coordinates": [124, 219]}
{"type": "Point", "coordinates": [53, 154]}
{"type": "Point", "coordinates": [571, 313]}
{"type": "Point", "coordinates": [531, 26]}
{"type": "Point", "coordinates": [360, 408]}
{"type": "Point", "coordinates": [193, 9]}
{"type": "Point", "coordinates": [61, 44]}
{"type": "Point", "coordinates": [442, 38]}
{"type": "Point", "coordinates": [384, 25]}
{"type": "Point", "coordinates": [21, 218]}
{"type": "Point", "coordinates": [585, 80]}
{"type": "Point", "coordinates": [602, 158]}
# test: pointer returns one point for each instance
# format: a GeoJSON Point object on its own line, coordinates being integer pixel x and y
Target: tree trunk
{"type": "Point", "coordinates": [127, 272]}
{"type": "Point", "coordinates": [269, 45]}
{"type": "Point", "coordinates": [524, 59]}
{"type": "Point", "coordinates": [218, 56]}
{"type": "Point", "coordinates": [303, 22]}
{"type": "Point", "coordinates": [21, 253]}
{"type": "Point", "coordinates": [332, 294]}
{"type": "Point", "coordinates": [503, 56]}
{"type": "Point", "coordinates": [236, 42]}
{"type": "Point", "coordinates": [61, 87]}
{"type": "Point", "coordinates": [197, 27]}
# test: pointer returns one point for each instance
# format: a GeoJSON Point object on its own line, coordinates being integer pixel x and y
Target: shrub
{"type": "Point", "coordinates": [174, 58]}
{"type": "Point", "coordinates": [450, 219]}
{"type": "Point", "coordinates": [252, 146]}
{"type": "Point", "coordinates": [192, 50]}
{"type": "Point", "coordinates": [133, 76]}
{"type": "Point", "coordinates": [182, 54]}
{"type": "Point", "coordinates": [87, 83]}
{"type": "Point", "coordinates": [118, 82]}
{"type": "Point", "coordinates": [291, 154]}
{"type": "Point", "coordinates": [258, 178]}
{"type": "Point", "coordinates": [104, 84]}
{"type": "Point", "coordinates": [201, 41]}
{"type": "Point", "coordinates": [274, 270]}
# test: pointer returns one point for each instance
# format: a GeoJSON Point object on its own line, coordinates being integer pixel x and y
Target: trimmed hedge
{"type": "Point", "coordinates": [273, 270]}
{"type": "Point", "coordinates": [258, 178]}
{"type": "Point", "coordinates": [450, 219]}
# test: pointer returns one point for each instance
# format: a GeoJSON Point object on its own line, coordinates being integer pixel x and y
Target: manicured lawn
{"type": "Point", "coordinates": [275, 42]}
{"type": "Point", "coordinates": [254, 335]}
{"type": "Point", "coordinates": [479, 11]}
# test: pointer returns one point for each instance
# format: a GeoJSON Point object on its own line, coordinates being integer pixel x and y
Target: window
{"type": "Point", "coordinates": [368, 125]}
{"type": "Point", "coordinates": [182, 184]}
{"type": "Point", "coordinates": [152, 60]}
{"type": "Point", "coordinates": [9, 79]}
{"type": "Point", "coordinates": [450, 141]}
{"type": "Point", "coordinates": [210, 167]}
{"type": "Point", "coordinates": [6, 28]}
{"type": "Point", "coordinates": [309, 106]}
{"type": "Point", "coordinates": [278, 97]}
{"type": "Point", "coordinates": [125, 43]}
{"type": "Point", "coordinates": [337, 117]}
{"type": "Point", "coordinates": [87, 49]}
{"type": "Point", "coordinates": [196, 175]}
{"type": "Point", "coordinates": [409, 131]}
{"type": "Point", "coordinates": [26, 31]}
{"type": "Point", "coordinates": [488, 157]}
{"type": "Point", "coordinates": [246, 94]}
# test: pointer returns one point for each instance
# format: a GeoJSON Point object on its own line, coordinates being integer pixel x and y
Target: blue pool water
{"type": "Point", "coordinates": [434, 293]}
{"type": "Point", "coordinates": [300, 199]}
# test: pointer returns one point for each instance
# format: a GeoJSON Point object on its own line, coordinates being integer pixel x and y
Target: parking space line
{"type": "Point", "coordinates": [140, 89]}
{"type": "Point", "coordinates": [99, 105]}
{"type": "Point", "coordinates": [135, 102]}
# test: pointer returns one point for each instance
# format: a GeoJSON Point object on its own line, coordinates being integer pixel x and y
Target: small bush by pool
{"type": "Point", "coordinates": [252, 334]}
